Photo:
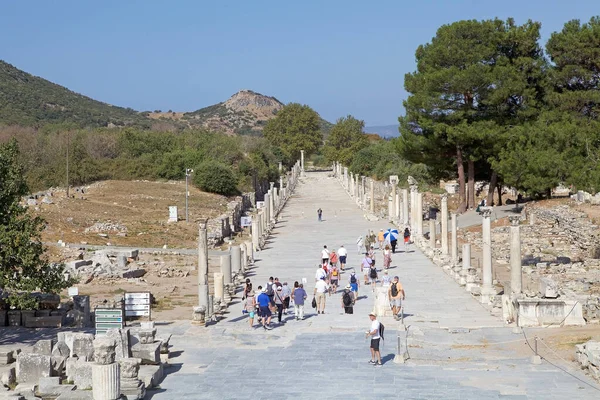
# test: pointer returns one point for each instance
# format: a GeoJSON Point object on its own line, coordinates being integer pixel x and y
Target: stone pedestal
{"type": "Point", "coordinates": [131, 386]}
{"type": "Point", "coordinates": [199, 315]}
{"type": "Point", "coordinates": [516, 275]}
{"type": "Point", "coordinates": [382, 303]}
{"type": "Point", "coordinates": [106, 383]}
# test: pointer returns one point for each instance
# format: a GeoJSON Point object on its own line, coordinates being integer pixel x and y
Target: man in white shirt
{"type": "Point", "coordinates": [342, 253]}
{"type": "Point", "coordinates": [321, 288]}
{"type": "Point", "coordinates": [325, 255]}
{"type": "Point", "coordinates": [375, 338]}
{"type": "Point", "coordinates": [320, 274]}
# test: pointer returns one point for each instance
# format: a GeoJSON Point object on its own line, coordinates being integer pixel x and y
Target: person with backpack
{"type": "Point", "coordinates": [279, 298]}
{"type": "Point", "coordinates": [364, 267]}
{"type": "Point", "coordinates": [396, 295]}
{"type": "Point", "coordinates": [333, 258]}
{"type": "Point", "coordinates": [320, 214]}
{"type": "Point", "coordinates": [376, 334]}
{"type": "Point", "coordinates": [348, 300]}
{"type": "Point", "coordinates": [373, 276]}
{"type": "Point", "coordinates": [270, 289]}
{"type": "Point", "coordinates": [334, 279]}
{"type": "Point", "coordinates": [354, 284]}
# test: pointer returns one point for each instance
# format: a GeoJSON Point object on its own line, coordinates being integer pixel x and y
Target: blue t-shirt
{"type": "Point", "coordinates": [299, 295]}
{"type": "Point", "coordinates": [263, 300]}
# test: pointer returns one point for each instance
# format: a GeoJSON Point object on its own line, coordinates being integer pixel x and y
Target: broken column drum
{"type": "Point", "coordinates": [106, 383]}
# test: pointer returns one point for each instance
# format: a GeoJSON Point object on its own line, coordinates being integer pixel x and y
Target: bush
{"type": "Point", "coordinates": [214, 177]}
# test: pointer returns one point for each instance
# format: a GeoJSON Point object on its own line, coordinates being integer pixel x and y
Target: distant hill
{"type": "Point", "coordinates": [32, 101]}
{"type": "Point", "coordinates": [385, 131]}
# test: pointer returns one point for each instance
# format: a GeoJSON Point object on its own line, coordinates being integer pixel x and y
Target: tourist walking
{"type": "Point", "coordinates": [348, 300]}
{"type": "Point", "coordinates": [387, 257]}
{"type": "Point", "coordinates": [299, 298]}
{"type": "Point", "coordinates": [250, 306]}
{"type": "Point", "coordinates": [320, 274]}
{"type": "Point", "coordinates": [279, 302]}
{"type": "Point", "coordinates": [343, 254]}
{"type": "Point", "coordinates": [386, 279]}
{"type": "Point", "coordinates": [333, 258]}
{"type": "Point", "coordinates": [334, 276]}
{"type": "Point", "coordinates": [320, 214]}
{"type": "Point", "coordinates": [320, 291]}
{"type": "Point", "coordinates": [247, 288]}
{"type": "Point", "coordinates": [354, 284]}
{"type": "Point", "coordinates": [394, 243]}
{"type": "Point", "coordinates": [325, 255]}
{"type": "Point", "coordinates": [368, 242]}
{"type": "Point", "coordinates": [406, 239]}
{"type": "Point", "coordinates": [373, 276]}
{"type": "Point", "coordinates": [359, 244]}
{"type": "Point", "coordinates": [287, 295]}
{"type": "Point", "coordinates": [396, 295]}
{"type": "Point", "coordinates": [264, 307]}
{"type": "Point", "coordinates": [364, 267]}
{"type": "Point", "coordinates": [380, 239]}
{"type": "Point", "coordinates": [258, 292]}
{"type": "Point", "coordinates": [375, 336]}
{"type": "Point", "coordinates": [270, 289]}
{"type": "Point", "coordinates": [372, 254]}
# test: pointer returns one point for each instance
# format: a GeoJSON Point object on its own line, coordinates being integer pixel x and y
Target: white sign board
{"type": "Point", "coordinates": [245, 222]}
{"type": "Point", "coordinates": [260, 204]}
{"type": "Point", "coordinates": [73, 291]}
{"type": "Point", "coordinates": [172, 213]}
{"type": "Point", "coordinates": [137, 304]}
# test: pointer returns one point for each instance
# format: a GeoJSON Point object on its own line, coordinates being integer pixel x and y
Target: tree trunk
{"type": "Point", "coordinates": [499, 186]}
{"type": "Point", "coordinates": [491, 188]}
{"type": "Point", "coordinates": [471, 188]}
{"type": "Point", "coordinates": [462, 205]}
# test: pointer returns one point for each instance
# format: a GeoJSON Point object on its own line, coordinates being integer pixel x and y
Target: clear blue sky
{"type": "Point", "coordinates": [340, 57]}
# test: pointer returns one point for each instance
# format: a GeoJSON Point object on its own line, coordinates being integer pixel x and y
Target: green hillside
{"type": "Point", "coordinates": [32, 101]}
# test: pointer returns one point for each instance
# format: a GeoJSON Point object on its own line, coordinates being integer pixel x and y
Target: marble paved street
{"type": "Point", "coordinates": [457, 349]}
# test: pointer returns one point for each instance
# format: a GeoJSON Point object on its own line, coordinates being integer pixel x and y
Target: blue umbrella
{"type": "Point", "coordinates": [391, 234]}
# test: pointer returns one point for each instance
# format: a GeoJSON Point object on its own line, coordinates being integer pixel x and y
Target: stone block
{"type": "Point", "coordinates": [6, 356]}
{"type": "Point", "coordinates": [80, 373]}
{"type": "Point", "coordinates": [61, 350]}
{"type": "Point", "coordinates": [592, 352]}
{"type": "Point", "coordinates": [8, 375]}
{"type": "Point", "coordinates": [75, 265]}
{"type": "Point", "coordinates": [548, 288]}
{"type": "Point", "coordinates": [32, 367]}
{"type": "Point", "coordinates": [134, 273]}
{"type": "Point", "coordinates": [82, 304]}
{"type": "Point", "coordinates": [106, 382]}
{"type": "Point", "coordinates": [43, 347]}
{"type": "Point", "coordinates": [149, 353]}
{"type": "Point", "coordinates": [146, 336]}
{"type": "Point", "coordinates": [51, 387]}
{"type": "Point", "coordinates": [43, 322]}
{"type": "Point", "coordinates": [123, 342]}
{"type": "Point", "coordinates": [83, 346]}
{"type": "Point", "coordinates": [76, 395]}
{"type": "Point", "coordinates": [151, 375]}
{"type": "Point", "coordinates": [594, 372]}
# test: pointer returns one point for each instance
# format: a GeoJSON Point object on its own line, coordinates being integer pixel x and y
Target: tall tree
{"type": "Point", "coordinates": [474, 78]}
{"type": "Point", "coordinates": [23, 266]}
{"type": "Point", "coordinates": [346, 138]}
{"type": "Point", "coordinates": [295, 127]}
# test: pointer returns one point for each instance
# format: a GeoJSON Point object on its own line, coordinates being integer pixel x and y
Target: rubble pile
{"type": "Point", "coordinates": [588, 355]}
{"type": "Point", "coordinates": [106, 227]}
{"type": "Point", "coordinates": [114, 264]}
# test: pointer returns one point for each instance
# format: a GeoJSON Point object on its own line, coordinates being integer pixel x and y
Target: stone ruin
{"type": "Point", "coordinates": [561, 248]}
{"type": "Point", "coordinates": [122, 364]}
{"type": "Point", "coordinates": [588, 355]}
{"type": "Point", "coordinates": [117, 264]}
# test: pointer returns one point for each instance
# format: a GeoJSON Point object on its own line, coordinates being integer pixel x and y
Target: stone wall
{"type": "Point", "coordinates": [588, 355]}
{"type": "Point", "coordinates": [228, 223]}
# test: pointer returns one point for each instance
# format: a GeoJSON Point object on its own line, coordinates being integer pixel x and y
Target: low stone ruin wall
{"type": "Point", "coordinates": [588, 355]}
{"type": "Point", "coordinates": [226, 224]}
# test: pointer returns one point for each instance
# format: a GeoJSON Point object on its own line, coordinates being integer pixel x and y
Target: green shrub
{"type": "Point", "coordinates": [214, 177]}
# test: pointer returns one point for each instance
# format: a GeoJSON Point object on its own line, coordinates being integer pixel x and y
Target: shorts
{"type": "Point", "coordinates": [366, 271]}
{"type": "Point", "coordinates": [251, 314]}
{"type": "Point", "coordinates": [375, 344]}
{"type": "Point", "coordinates": [326, 261]}
{"type": "Point", "coordinates": [396, 303]}
{"type": "Point", "coordinates": [265, 312]}
{"type": "Point", "coordinates": [342, 259]}
{"type": "Point", "coordinates": [334, 282]}
{"type": "Point", "coordinates": [354, 287]}
{"type": "Point", "coordinates": [406, 239]}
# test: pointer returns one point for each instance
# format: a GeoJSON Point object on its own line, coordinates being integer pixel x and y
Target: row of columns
{"type": "Point", "coordinates": [233, 265]}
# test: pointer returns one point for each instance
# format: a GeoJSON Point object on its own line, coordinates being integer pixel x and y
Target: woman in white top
{"type": "Point", "coordinates": [386, 280]}
{"type": "Point", "coordinates": [359, 244]}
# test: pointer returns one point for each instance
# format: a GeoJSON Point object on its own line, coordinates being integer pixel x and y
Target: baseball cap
{"type": "Point", "coordinates": [372, 314]}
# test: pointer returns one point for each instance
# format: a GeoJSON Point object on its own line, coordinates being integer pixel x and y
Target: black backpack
{"type": "Point", "coordinates": [394, 288]}
{"type": "Point", "coordinates": [270, 291]}
{"type": "Point", "coordinates": [373, 273]}
{"type": "Point", "coordinates": [353, 278]}
{"type": "Point", "coordinates": [381, 329]}
{"type": "Point", "coordinates": [347, 299]}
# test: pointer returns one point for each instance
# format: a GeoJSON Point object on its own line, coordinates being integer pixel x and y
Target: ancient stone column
{"type": "Point", "coordinates": [272, 204]}
{"type": "Point", "coordinates": [516, 274]}
{"type": "Point", "coordinates": [267, 210]}
{"type": "Point", "coordinates": [432, 232]}
{"type": "Point", "coordinates": [405, 206]}
{"type": "Point", "coordinates": [394, 204]}
{"type": "Point", "coordinates": [445, 224]}
{"type": "Point", "coordinates": [346, 178]}
{"type": "Point", "coordinates": [280, 166]}
{"type": "Point", "coordinates": [226, 268]}
{"type": "Point", "coordinates": [487, 289]}
{"type": "Point", "coordinates": [255, 232]}
{"type": "Point", "coordinates": [106, 380]}
{"type": "Point", "coordinates": [372, 199]}
{"type": "Point", "coordinates": [390, 207]}
{"type": "Point", "coordinates": [281, 182]}
{"type": "Point", "coordinates": [413, 204]}
{"type": "Point", "coordinates": [351, 184]}
{"type": "Point", "coordinates": [203, 266]}
{"type": "Point", "coordinates": [236, 259]}
{"type": "Point", "coordinates": [466, 263]}
{"type": "Point", "coordinates": [219, 292]}
{"type": "Point", "coordinates": [398, 207]}
{"type": "Point", "coordinates": [420, 214]}
{"type": "Point", "coordinates": [362, 191]}
{"type": "Point", "coordinates": [302, 161]}
{"type": "Point", "coordinates": [356, 188]}
{"type": "Point", "coordinates": [454, 246]}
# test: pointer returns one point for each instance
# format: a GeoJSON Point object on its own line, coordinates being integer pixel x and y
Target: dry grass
{"type": "Point", "coordinates": [141, 206]}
